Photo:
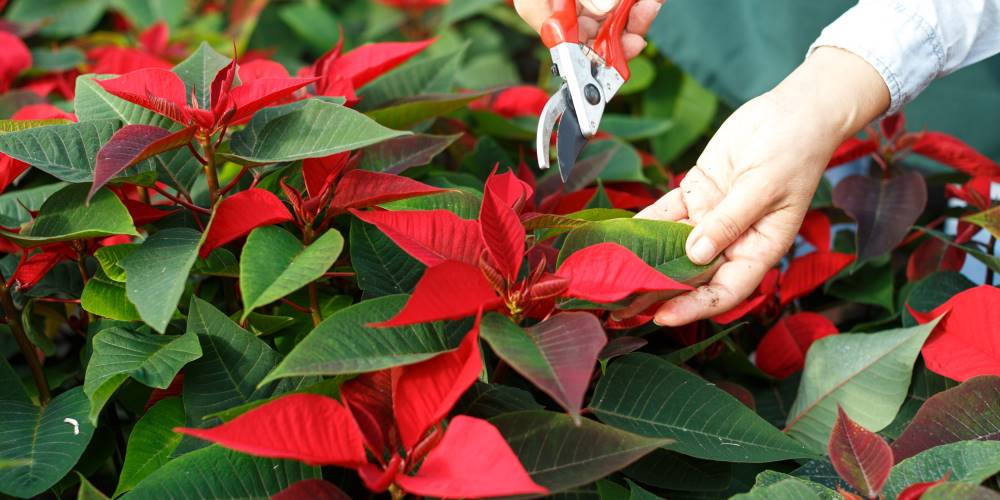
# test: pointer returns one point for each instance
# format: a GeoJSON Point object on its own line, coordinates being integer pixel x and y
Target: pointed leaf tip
{"type": "Point", "coordinates": [861, 457]}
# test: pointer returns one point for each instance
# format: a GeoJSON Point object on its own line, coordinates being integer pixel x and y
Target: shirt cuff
{"type": "Point", "coordinates": [895, 39]}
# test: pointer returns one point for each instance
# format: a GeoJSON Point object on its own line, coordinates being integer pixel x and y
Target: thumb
{"type": "Point", "coordinates": [599, 8]}
{"type": "Point", "coordinates": [741, 208]}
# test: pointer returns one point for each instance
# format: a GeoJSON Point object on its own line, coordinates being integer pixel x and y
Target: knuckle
{"type": "Point", "coordinates": [727, 227]}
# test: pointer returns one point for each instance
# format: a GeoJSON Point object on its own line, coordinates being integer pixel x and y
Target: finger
{"type": "Point", "coordinates": [701, 193]}
{"type": "Point", "coordinates": [642, 16]}
{"type": "Point", "coordinates": [733, 282]}
{"type": "Point", "coordinates": [588, 27]}
{"type": "Point", "coordinates": [670, 207]}
{"type": "Point", "coordinates": [745, 204]}
{"type": "Point", "coordinates": [599, 8]}
{"type": "Point", "coordinates": [633, 45]}
{"type": "Point", "coordinates": [643, 302]}
{"type": "Point", "coordinates": [534, 12]}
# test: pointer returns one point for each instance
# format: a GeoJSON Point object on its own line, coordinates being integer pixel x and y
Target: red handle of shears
{"type": "Point", "coordinates": [562, 27]}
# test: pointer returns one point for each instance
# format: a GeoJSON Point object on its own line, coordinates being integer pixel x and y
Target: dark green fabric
{"type": "Point", "coordinates": [741, 48]}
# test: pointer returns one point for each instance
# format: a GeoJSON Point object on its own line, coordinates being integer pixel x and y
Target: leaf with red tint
{"type": "Point", "coordinates": [976, 192]}
{"type": "Point", "coordinates": [132, 144]}
{"type": "Point", "coordinates": [931, 256]}
{"type": "Point", "coordinates": [430, 236]}
{"type": "Point", "coordinates": [143, 214]}
{"type": "Point", "coordinates": [241, 213]}
{"type": "Point", "coordinates": [363, 189]}
{"type": "Point", "coordinates": [450, 290]}
{"type": "Point", "coordinates": [861, 457]}
{"type": "Point", "coordinates": [158, 90]}
{"type": "Point", "coordinates": [31, 271]}
{"type": "Point", "coordinates": [378, 479]}
{"type": "Point", "coordinates": [892, 125]}
{"type": "Point", "coordinates": [263, 83]}
{"type": "Point", "coordinates": [609, 272]}
{"type": "Point", "coordinates": [369, 397]}
{"type": "Point", "coordinates": [816, 230]}
{"type": "Point", "coordinates": [155, 38]}
{"type": "Point", "coordinates": [114, 60]}
{"type": "Point", "coordinates": [368, 62]}
{"type": "Point", "coordinates": [514, 102]}
{"type": "Point", "coordinates": [311, 489]}
{"type": "Point", "coordinates": [577, 200]}
{"type": "Point", "coordinates": [782, 351]}
{"type": "Point", "coordinates": [471, 461]}
{"type": "Point", "coordinates": [966, 343]}
{"type": "Point", "coordinates": [884, 209]}
{"type": "Point", "coordinates": [320, 173]}
{"type": "Point", "coordinates": [508, 189]}
{"type": "Point", "coordinates": [42, 112]}
{"type": "Point", "coordinates": [173, 390]}
{"type": "Point", "coordinates": [424, 393]}
{"type": "Point", "coordinates": [10, 169]}
{"type": "Point", "coordinates": [963, 413]}
{"type": "Point", "coordinates": [14, 59]}
{"type": "Point", "coordinates": [916, 491]}
{"type": "Point", "coordinates": [310, 428]}
{"type": "Point", "coordinates": [501, 229]}
{"type": "Point", "coordinates": [951, 151]}
{"type": "Point", "coordinates": [754, 302]}
{"type": "Point", "coordinates": [808, 272]}
{"type": "Point", "coordinates": [853, 149]}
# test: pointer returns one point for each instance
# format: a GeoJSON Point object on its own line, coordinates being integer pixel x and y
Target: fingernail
{"type": "Point", "coordinates": [615, 317]}
{"type": "Point", "coordinates": [702, 251]}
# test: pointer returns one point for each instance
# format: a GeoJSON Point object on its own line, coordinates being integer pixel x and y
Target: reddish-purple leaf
{"type": "Point", "coordinates": [369, 397]}
{"type": "Point", "coordinates": [143, 214]}
{"type": "Point", "coordinates": [158, 90]}
{"type": "Point", "coordinates": [368, 62]}
{"type": "Point", "coordinates": [884, 209]}
{"type": "Point", "coordinates": [853, 149]}
{"type": "Point", "coordinates": [471, 461]}
{"type": "Point", "coordinates": [808, 272]}
{"type": "Point", "coordinates": [311, 489]}
{"type": "Point", "coordinates": [951, 151]}
{"type": "Point", "coordinates": [430, 236]}
{"type": "Point", "coordinates": [931, 256]}
{"type": "Point", "coordinates": [450, 290]}
{"type": "Point", "coordinates": [961, 413]}
{"type": "Point", "coordinates": [782, 351]}
{"type": "Point", "coordinates": [966, 343]}
{"type": "Point", "coordinates": [132, 144]}
{"type": "Point", "coordinates": [363, 189]}
{"type": "Point", "coordinates": [395, 156]}
{"type": "Point", "coordinates": [558, 355]}
{"type": "Point", "coordinates": [861, 457]}
{"type": "Point", "coordinates": [307, 427]}
{"type": "Point", "coordinates": [241, 213]}
{"type": "Point", "coordinates": [502, 232]}
{"type": "Point", "coordinates": [620, 346]}
{"type": "Point", "coordinates": [609, 272]}
{"type": "Point", "coordinates": [424, 393]}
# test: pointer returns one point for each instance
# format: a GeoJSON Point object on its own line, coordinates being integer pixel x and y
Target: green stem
{"type": "Point", "coordinates": [211, 171]}
{"type": "Point", "coordinates": [317, 317]}
{"type": "Point", "coordinates": [27, 348]}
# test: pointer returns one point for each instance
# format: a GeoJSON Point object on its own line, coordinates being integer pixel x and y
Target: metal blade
{"type": "Point", "coordinates": [569, 143]}
{"type": "Point", "coordinates": [553, 109]}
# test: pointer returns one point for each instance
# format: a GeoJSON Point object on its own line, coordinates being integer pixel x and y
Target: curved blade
{"type": "Point", "coordinates": [553, 109]}
{"type": "Point", "coordinates": [569, 143]}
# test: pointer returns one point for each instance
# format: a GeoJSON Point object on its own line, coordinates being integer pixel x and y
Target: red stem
{"type": "Point", "coordinates": [190, 206]}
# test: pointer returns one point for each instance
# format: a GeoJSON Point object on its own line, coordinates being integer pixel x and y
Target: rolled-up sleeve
{"type": "Point", "coordinates": [913, 42]}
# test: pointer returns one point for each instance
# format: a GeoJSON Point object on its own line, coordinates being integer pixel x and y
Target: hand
{"type": "Point", "coordinates": [754, 182]}
{"type": "Point", "coordinates": [535, 12]}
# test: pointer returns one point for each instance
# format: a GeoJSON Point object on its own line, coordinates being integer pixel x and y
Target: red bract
{"type": "Point", "coordinates": [763, 299]}
{"type": "Point", "coordinates": [951, 151]}
{"type": "Point", "coordinates": [32, 269]}
{"type": "Point", "coordinates": [809, 272]}
{"type": "Point", "coordinates": [861, 457]}
{"type": "Point", "coordinates": [853, 149]}
{"type": "Point", "coordinates": [966, 343]}
{"type": "Point", "coordinates": [782, 351]}
{"type": "Point", "coordinates": [432, 236]}
{"type": "Point", "coordinates": [14, 59]}
{"type": "Point", "coordinates": [523, 100]}
{"type": "Point", "coordinates": [916, 491]}
{"type": "Point", "coordinates": [619, 273]}
{"type": "Point", "coordinates": [469, 459]}
{"type": "Point", "coordinates": [241, 213]}
{"type": "Point", "coordinates": [342, 75]}
{"type": "Point", "coordinates": [976, 192]}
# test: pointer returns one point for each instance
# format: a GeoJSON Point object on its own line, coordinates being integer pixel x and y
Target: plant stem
{"type": "Point", "coordinates": [397, 492]}
{"type": "Point", "coordinates": [990, 249]}
{"type": "Point", "coordinates": [314, 311]}
{"type": "Point", "coordinates": [27, 348]}
{"type": "Point", "coordinates": [211, 172]}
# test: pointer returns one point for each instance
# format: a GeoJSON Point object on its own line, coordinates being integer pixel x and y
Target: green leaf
{"type": "Point", "coordinates": [108, 298]}
{"type": "Point", "coordinates": [151, 442]}
{"type": "Point", "coordinates": [952, 490]}
{"type": "Point", "coordinates": [344, 343]}
{"type": "Point", "coordinates": [419, 76]}
{"type": "Point", "coordinates": [215, 473]}
{"type": "Point", "coordinates": [415, 110]}
{"type": "Point", "coordinates": [867, 374]}
{"type": "Point", "coordinates": [381, 266]}
{"type": "Point", "coordinates": [678, 97]}
{"type": "Point", "coordinates": [274, 264]}
{"type": "Point", "coordinates": [311, 128]}
{"type": "Point", "coordinates": [59, 18]}
{"type": "Point", "coordinates": [490, 400]}
{"type": "Point", "coordinates": [220, 262]}
{"type": "Point", "coordinates": [313, 23]}
{"type": "Point", "coordinates": [969, 461]}
{"type": "Point", "coordinates": [65, 217]}
{"type": "Point", "coordinates": [157, 272]}
{"type": "Point", "coordinates": [681, 356]}
{"type": "Point", "coordinates": [153, 360]}
{"type": "Point", "coordinates": [198, 71]}
{"type": "Point", "coordinates": [397, 155]}
{"type": "Point", "coordinates": [643, 74]}
{"type": "Point", "coordinates": [773, 485]}
{"type": "Point", "coordinates": [145, 13]}
{"type": "Point", "coordinates": [88, 491]}
{"type": "Point", "coordinates": [637, 492]}
{"type": "Point", "coordinates": [644, 394]}
{"type": "Point", "coordinates": [457, 11]}
{"type": "Point", "coordinates": [461, 203]}
{"type": "Point", "coordinates": [932, 291]}
{"type": "Point", "coordinates": [989, 260]}
{"type": "Point", "coordinates": [110, 257]}
{"type": "Point", "coordinates": [14, 205]}
{"type": "Point", "coordinates": [560, 455]}
{"type": "Point", "coordinates": [630, 128]}
{"type": "Point", "coordinates": [673, 471]}
{"type": "Point", "coordinates": [44, 59]}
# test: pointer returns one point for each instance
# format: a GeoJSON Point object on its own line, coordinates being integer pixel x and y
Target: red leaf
{"type": "Point", "coordinates": [251, 96]}
{"type": "Point", "coordinates": [311, 489]}
{"type": "Point", "coordinates": [966, 343]}
{"type": "Point", "coordinates": [761, 297]}
{"type": "Point", "coordinates": [363, 189]}
{"type": "Point", "coordinates": [158, 90]}
{"type": "Point", "coordinates": [932, 256]}
{"type": "Point", "coordinates": [320, 173]}
{"type": "Point", "coordinates": [241, 213]}
{"type": "Point", "coordinates": [852, 149]}
{"type": "Point", "coordinates": [450, 290]}
{"type": "Point", "coordinates": [975, 192]}
{"type": "Point", "coordinates": [155, 38]}
{"type": "Point", "coordinates": [42, 112]}
{"type": "Point", "coordinates": [577, 200]}
{"type": "Point", "coordinates": [14, 59]}
{"type": "Point", "coordinates": [892, 125]}
{"type": "Point", "coordinates": [31, 271]}
{"type": "Point", "coordinates": [368, 62]}
{"type": "Point", "coordinates": [310, 428]}
{"type": "Point", "coordinates": [430, 236]}
{"type": "Point", "coordinates": [132, 144]}
{"type": "Point", "coordinates": [609, 272]}
{"type": "Point", "coordinates": [10, 169]}
{"type": "Point", "coordinates": [816, 230]}
{"type": "Point", "coordinates": [173, 390]}
{"type": "Point", "coordinates": [950, 151]}
{"type": "Point", "coordinates": [378, 479]}
{"type": "Point", "coordinates": [500, 227]}
{"type": "Point", "coordinates": [884, 209]}
{"type": "Point", "coordinates": [425, 392]}
{"type": "Point", "coordinates": [114, 60]}
{"type": "Point", "coordinates": [916, 490]}
{"type": "Point", "coordinates": [808, 272]}
{"type": "Point", "coordinates": [861, 457]}
{"type": "Point", "coordinates": [369, 397]}
{"type": "Point", "coordinates": [509, 190]}
{"type": "Point", "coordinates": [472, 461]}
{"type": "Point", "coordinates": [523, 100]}
{"type": "Point", "coordinates": [143, 214]}
{"type": "Point", "coordinates": [782, 351]}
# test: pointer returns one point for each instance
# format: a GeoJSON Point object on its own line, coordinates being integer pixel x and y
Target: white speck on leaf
{"type": "Point", "coordinates": [74, 423]}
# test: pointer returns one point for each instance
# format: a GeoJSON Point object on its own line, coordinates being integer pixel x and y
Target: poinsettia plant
{"type": "Point", "coordinates": [260, 249]}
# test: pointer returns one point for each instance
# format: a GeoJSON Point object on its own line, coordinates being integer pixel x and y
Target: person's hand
{"type": "Point", "coordinates": [536, 12]}
{"type": "Point", "coordinates": [754, 182]}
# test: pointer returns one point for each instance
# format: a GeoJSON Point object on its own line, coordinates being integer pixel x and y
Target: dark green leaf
{"type": "Point", "coordinates": [151, 442]}
{"type": "Point", "coordinates": [198, 71]}
{"type": "Point", "coordinates": [382, 267]}
{"type": "Point", "coordinates": [157, 271]}
{"type": "Point", "coordinates": [65, 217]}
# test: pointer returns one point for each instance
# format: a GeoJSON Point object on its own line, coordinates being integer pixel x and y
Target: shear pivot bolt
{"type": "Point", "coordinates": [592, 94]}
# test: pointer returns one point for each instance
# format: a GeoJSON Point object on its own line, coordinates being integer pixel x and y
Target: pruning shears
{"type": "Point", "coordinates": [591, 78]}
